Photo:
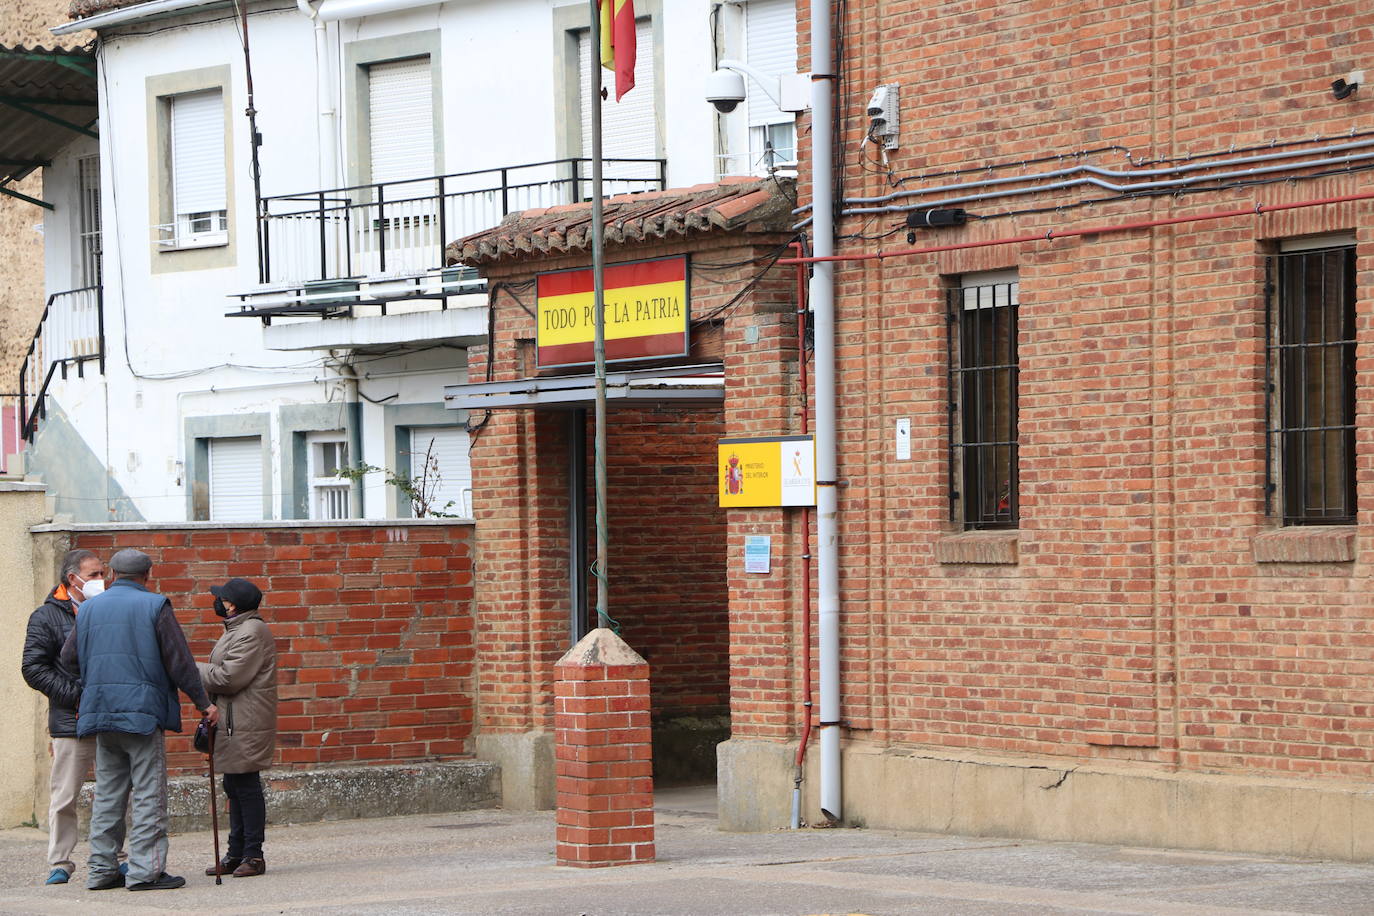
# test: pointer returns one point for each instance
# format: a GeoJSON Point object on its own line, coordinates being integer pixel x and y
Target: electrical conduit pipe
{"type": "Point", "coordinates": [1109, 229]}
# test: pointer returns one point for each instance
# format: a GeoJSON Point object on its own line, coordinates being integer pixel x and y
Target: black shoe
{"type": "Point", "coordinates": [226, 866]}
{"type": "Point", "coordinates": [115, 880]}
{"type": "Point", "coordinates": [163, 882]}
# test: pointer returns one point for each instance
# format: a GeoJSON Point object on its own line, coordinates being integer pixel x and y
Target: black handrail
{"type": "Point", "coordinates": [313, 195]}
{"type": "Point", "coordinates": [29, 421]}
{"type": "Point", "coordinates": [307, 256]}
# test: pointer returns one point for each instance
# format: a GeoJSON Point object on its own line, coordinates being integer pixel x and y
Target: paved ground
{"type": "Point", "coordinates": [498, 862]}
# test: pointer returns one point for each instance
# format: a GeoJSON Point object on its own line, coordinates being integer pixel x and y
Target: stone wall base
{"type": "Point", "coordinates": [525, 760]}
{"type": "Point", "coordinates": [1048, 799]}
{"type": "Point", "coordinates": [305, 796]}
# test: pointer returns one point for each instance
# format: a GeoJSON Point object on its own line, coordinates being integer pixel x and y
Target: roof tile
{"type": "Point", "coordinates": [735, 204]}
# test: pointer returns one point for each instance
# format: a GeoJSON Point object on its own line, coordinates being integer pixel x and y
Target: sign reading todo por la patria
{"type": "Point", "coordinates": [647, 313]}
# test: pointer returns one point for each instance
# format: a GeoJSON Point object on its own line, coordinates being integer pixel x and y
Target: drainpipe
{"type": "Point", "coordinates": [798, 767]}
{"type": "Point", "coordinates": [353, 425]}
{"type": "Point", "coordinates": [323, 100]}
{"type": "Point", "coordinates": [823, 313]}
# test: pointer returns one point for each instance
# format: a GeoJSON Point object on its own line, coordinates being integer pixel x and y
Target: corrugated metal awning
{"type": "Point", "coordinates": [672, 385]}
{"type": "Point", "coordinates": [48, 98]}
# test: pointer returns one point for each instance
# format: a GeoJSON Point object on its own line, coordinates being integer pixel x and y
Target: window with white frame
{"type": "Point", "coordinates": [88, 181]}
{"type": "Point", "coordinates": [770, 41]}
{"type": "Point", "coordinates": [629, 128]}
{"type": "Point", "coordinates": [329, 493]}
{"type": "Point", "coordinates": [400, 104]}
{"type": "Point", "coordinates": [235, 475]}
{"type": "Point", "coordinates": [200, 209]}
{"type": "Point", "coordinates": [441, 471]}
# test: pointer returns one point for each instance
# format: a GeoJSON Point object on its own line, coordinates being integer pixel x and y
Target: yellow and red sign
{"type": "Point", "coordinates": [778, 471]}
{"type": "Point", "coordinates": [647, 310]}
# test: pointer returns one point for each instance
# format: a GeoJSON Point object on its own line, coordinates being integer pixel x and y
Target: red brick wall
{"type": "Point", "coordinates": [373, 625]}
{"type": "Point", "coordinates": [668, 554]}
{"type": "Point", "coordinates": [1135, 624]}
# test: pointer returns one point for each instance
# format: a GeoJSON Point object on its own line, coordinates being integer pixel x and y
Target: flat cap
{"type": "Point", "coordinates": [131, 562]}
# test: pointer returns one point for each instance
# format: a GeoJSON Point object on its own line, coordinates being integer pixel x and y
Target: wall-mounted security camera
{"type": "Point", "coordinates": [1344, 88]}
{"type": "Point", "coordinates": [725, 90]}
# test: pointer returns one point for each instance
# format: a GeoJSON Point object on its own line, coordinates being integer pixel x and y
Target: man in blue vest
{"type": "Point", "coordinates": [132, 657]}
{"type": "Point", "coordinates": [83, 577]}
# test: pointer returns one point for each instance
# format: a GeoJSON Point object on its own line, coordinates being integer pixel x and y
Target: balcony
{"type": "Point", "coordinates": [70, 334]}
{"type": "Point", "coordinates": [378, 249]}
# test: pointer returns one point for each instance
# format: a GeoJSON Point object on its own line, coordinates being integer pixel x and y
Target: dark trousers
{"type": "Point", "coordinates": [247, 815]}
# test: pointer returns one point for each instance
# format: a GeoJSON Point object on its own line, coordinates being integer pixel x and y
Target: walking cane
{"type": "Point", "coordinates": [214, 809]}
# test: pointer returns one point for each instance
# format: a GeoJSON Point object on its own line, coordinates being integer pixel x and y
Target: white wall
{"type": "Point", "coordinates": [184, 357]}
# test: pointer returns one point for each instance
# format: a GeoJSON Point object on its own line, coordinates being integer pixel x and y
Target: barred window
{"type": "Point", "coordinates": [1310, 363]}
{"type": "Point", "coordinates": [981, 341]}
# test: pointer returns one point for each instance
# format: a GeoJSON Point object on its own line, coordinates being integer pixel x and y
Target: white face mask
{"type": "Point", "coordinates": [91, 587]}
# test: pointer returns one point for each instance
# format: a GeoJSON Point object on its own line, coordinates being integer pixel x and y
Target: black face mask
{"type": "Point", "coordinates": [220, 609]}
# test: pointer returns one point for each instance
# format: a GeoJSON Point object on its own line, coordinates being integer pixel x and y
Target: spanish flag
{"type": "Point", "coordinates": [618, 43]}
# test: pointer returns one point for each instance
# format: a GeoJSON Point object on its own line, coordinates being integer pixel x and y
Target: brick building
{"type": "Point", "coordinates": [1116, 590]}
{"type": "Point", "coordinates": [671, 540]}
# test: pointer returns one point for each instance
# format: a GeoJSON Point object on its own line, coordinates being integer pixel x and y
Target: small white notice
{"type": "Point", "coordinates": [904, 439]}
{"type": "Point", "coordinates": [758, 553]}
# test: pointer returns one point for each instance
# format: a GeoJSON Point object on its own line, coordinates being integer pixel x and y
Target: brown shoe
{"type": "Point", "coordinates": [226, 866]}
{"type": "Point", "coordinates": [249, 868]}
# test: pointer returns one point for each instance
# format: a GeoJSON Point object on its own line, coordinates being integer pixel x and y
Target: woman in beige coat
{"type": "Point", "coordinates": [241, 677]}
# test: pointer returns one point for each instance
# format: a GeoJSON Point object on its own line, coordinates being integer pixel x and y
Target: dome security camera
{"type": "Point", "coordinates": [725, 90]}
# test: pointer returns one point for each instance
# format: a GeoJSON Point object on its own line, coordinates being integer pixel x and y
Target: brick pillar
{"type": "Point", "coordinates": [604, 759]}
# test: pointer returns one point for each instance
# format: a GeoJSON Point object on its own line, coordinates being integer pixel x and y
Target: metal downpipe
{"type": "Point", "coordinates": [823, 313]}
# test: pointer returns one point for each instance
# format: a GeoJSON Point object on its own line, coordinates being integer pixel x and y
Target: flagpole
{"type": "Point", "coordinates": [603, 617]}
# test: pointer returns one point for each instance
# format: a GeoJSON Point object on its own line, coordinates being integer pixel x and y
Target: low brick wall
{"type": "Point", "coordinates": [373, 623]}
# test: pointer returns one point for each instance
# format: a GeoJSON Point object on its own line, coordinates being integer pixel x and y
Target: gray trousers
{"type": "Point", "coordinates": [132, 767]}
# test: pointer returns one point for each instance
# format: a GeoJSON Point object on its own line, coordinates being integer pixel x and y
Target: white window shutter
{"type": "Point", "coordinates": [401, 120]}
{"type": "Point", "coordinates": [236, 479]}
{"type": "Point", "coordinates": [770, 39]}
{"type": "Point", "coordinates": [629, 128]}
{"type": "Point", "coordinates": [198, 184]}
{"type": "Point", "coordinates": [450, 448]}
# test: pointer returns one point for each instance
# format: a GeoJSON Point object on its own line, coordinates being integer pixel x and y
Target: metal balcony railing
{"type": "Point", "coordinates": [70, 333]}
{"type": "Point", "coordinates": [400, 228]}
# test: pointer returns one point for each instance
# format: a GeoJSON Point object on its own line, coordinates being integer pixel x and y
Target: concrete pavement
{"type": "Point", "coordinates": [499, 862]}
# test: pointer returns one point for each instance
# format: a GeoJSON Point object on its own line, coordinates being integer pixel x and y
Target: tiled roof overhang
{"type": "Point", "coordinates": [48, 97]}
{"type": "Point", "coordinates": [733, 204]}
{"type": "Point", "coordinates": [81, 9]}
{"type": "Point", "coordinates": [105, 14]}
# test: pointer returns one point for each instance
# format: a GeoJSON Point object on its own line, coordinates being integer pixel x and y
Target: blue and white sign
{"type": "Point", "coordinates": [758, 553]}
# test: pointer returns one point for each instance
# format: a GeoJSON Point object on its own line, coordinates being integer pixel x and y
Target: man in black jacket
{"type": "Point", "coordinates": [83, 576]}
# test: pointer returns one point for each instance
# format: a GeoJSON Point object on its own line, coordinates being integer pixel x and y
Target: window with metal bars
{"type": "Point", "coordinates": [1310, 368]}
{"type": "Point", "coordinates": [983, 366]}
{"type": "Point", "coordinates": [88, 175]}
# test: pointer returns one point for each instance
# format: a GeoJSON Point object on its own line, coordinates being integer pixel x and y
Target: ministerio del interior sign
{"type": "Point", "coordinates": [647, 311]}
{"type": "Point", "coordinates": [777, 471]}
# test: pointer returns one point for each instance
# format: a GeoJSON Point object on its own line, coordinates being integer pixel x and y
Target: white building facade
{"type": "Point", "coordinates": [252, 340]}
